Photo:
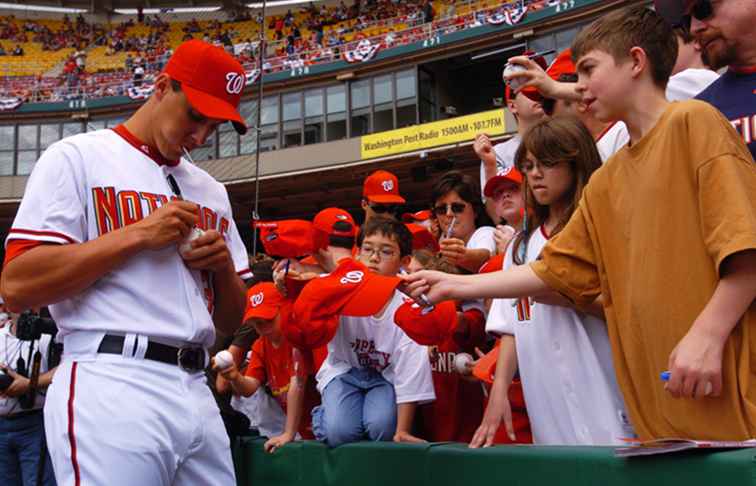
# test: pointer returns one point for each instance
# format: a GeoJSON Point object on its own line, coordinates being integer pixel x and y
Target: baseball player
{"type": "Point", "coordinates": [101, 236]}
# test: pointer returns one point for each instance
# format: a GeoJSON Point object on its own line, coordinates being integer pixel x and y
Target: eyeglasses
{"type": "Point", "coordinates": [385, 208]}
{"type": "Point", "coordinates": [456, 208]}
{"type": "Point", "coordinates": [383, 252]}
{"type": "Point", "coordinates": [528, 165]}
{"type": "Point", "coordinates": [701, 10]}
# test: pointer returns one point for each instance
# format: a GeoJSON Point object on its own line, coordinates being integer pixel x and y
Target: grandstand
{"type": "Point", "coordinates": [380, 69]}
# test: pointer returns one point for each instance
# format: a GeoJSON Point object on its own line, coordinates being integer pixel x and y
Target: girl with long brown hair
{"type": "Point", "coordinates": [563, 355]}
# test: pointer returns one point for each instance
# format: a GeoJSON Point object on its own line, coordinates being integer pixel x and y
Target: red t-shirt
{"type": "Point", "coordinates": [275, 366]}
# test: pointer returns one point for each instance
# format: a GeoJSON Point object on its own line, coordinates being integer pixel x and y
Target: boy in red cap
{"type": "Point", "coordinates": [374, 375]}
{"type": "Point", "coordinates": [105, 217]}
{"type": "Point", "coordinates": [277, 364]}
{"type": "Point", "coordinates": [380, 196]}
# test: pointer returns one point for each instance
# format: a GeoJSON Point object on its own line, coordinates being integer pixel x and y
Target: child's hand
{"type": "Point", "coordinates": [406, 437]}
{"type": "Point", "coordinates": [484, 150]}
{"type": "Point", "coordinates": [503, 235]}
{"type": "Point", "coordinates": [231, 373]}
{"type": "Point", "coordinates": [695, 362]}
{"type": "Point", "coordinates": [498, 410]}
{"type": "Point", "coordinates": [274, 443]}
{"type": "Point", "coordinates": [533, 76]}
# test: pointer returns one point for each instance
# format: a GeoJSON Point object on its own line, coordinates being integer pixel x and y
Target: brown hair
{"type": "Point", "coordinates": [561, 139]}
{"type": "Point", "coordinates": [467, 189]}
{"type": "Point", "coordinates": [619, 31]}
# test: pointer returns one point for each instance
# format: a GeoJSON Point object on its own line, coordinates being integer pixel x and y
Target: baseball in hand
{"type": "Point", "coordinates": [186, 245]}
{"type": "Point", "coordinates": [515, 84]}
{"type": "Point", "coordinates": [224, 359]}
{"type": "Point", "coordinates": [461, 362]}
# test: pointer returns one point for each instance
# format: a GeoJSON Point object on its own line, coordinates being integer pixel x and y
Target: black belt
{"type": "Point", "coordinates": [25, 413]}
{"type": "Point", "coordinates": [187, 358]}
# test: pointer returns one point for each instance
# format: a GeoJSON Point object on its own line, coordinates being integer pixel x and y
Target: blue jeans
{"type": "Point", "coordinates": [20, 441]}
{"type": "Point", "coordinates": [357, 404]}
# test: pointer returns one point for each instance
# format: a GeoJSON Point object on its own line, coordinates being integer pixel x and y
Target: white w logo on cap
{"type": "Point", "coordinates": [388, 185]}
{"type": "Point", "coordinates": [235, 83]}
{"type": "Point", "coordinates": [353, 277]}
{"type": "Point", "coordinates": [257, 299]}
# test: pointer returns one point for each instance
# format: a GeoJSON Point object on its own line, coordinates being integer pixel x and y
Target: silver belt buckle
{"type": "Point", "coordinates": [191, 359]}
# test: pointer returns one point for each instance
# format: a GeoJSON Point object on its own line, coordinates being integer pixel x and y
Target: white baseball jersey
{"type": "Point", "coordinates": [89, 184]}
{"type": "Point", "coordinates": [378, 343]}
{"type": "Point", "coordinates": [612, 140]}
{"type": "Point", "coordinates": [566, 368]}
{"type": "Point", "coordinates": [686, 84]}
{"type": "Point", "coordinates": [505, 157]}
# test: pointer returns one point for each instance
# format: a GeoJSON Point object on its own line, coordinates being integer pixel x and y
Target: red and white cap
{"type": "Point", "coordinates": [382, 187]}
{"type": "Point", "coordinates": [211, 79]}
{"type": "Point", "coordinates": [510, 174]}
{"type": "Point", "coordinates": [263, 302]}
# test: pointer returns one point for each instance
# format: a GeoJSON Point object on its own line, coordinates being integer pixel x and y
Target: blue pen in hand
{"type": "Point", "coordinates": [666, 375]}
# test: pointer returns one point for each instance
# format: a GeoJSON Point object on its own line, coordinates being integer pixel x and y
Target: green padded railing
{"type": "Point", "coordinates": [385, 464]}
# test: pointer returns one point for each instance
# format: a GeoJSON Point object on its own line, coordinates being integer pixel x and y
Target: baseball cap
{"type": "Point", "coordinates": [528, 91]}
{"type": "Point", "coordinates": [672, 11]}
{"type": "Point", "coordinates": [263, 302]}
{"type": "Point", "coordinates": [422, 239]}
{"type": "Point", "coordinates": [290, 238]}
{"type": "Point", "coordinates": [485, 368]}
{"type": "Point", "coordinates": [350, 290]}
{"type": "Point", "coordinates": [507, 174]}
{"type": "Point", "coordinates": [419, 216]}
{"type": "Point", "coordinates": [562, 64]}
{"type": "Point", "coordinates": [382, 187]}
{"type": "Point", "coordinates": [211, 79]}
{"type": "Point", "coordinates": [332, 222]}
{"type": "Point", "coordinates": [309, 333]}
{"type": "Point", "coordinates": [425, 325]}
{"type": "Point", "coordinates": [493, 264]}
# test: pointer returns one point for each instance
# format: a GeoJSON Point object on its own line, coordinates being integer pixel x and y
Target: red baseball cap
{"type": "Point", "coordinates": [528, 91]}
{"type": "Point", "coordinates": [351, 290]}
{"type": "Point", "coordinates": [485, 368]}
{"type": "Point", "coordinates": [263, 302]}
{"type": "Point", "coordinates": [332, 222]}
{"type": "Point", "coordinates": [493, 264]}
{"type": "Point", "coordinates": [422, 239]}
{"type": "Point", "coordinates": [419, 216]}
{"type": "Point", "coordinates": [510, 174]}
{"type": "Point", "coordinates": [290, 238]}
{"type": "Point", "coordinates": [562, 65]}
{"type": "Point", "coordinates": [211, 79]}
{"type": "Point", "coordinates": [382, 187]}
{"type": "Point", "coordinates": [427, 325]}
{"type": "Point", "coordinates": [311, 333]}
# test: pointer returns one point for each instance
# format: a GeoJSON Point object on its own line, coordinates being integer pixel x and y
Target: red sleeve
{"type": "Point", "coordinates": [17, 248]}
{"type": "Point", "coordinates": [256, 366]}
{"type": "Point", "coordinates": [474, 333]}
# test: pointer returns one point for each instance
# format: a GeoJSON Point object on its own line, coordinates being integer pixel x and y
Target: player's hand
{"type": "Point", "coordinates": [209, 252]}
{"type": "Point", "coordinates": [533, 76]}
{"type": "Point", "coordinates": [437, 286]}
{"type": "Point", "coordinates": [167, 225]}
{"type": "Point", "coordinates": [503, 235]}
{"type": "Point", "coordinates": [20, 385]}
{"type": "Point", "coordinates": [231, 373]}
{"type": "Point", "coordinates": [695, 362]}
{"type": "Point", "coordinates": [453, 249]}
{"type": "Point", "coordinates": [497, 411]}
{"type": "Point", "coordinates": [484, 150]}
{"type": "Point", "coordinates": [403, 436]}
{"type": "Point", "coordinates": [274, 443]}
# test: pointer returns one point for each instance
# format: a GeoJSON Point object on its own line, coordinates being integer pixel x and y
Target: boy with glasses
{"type": "Point", "coordinates": [724, 29]}
{"type": "Point", "coordinates": [380, 196]}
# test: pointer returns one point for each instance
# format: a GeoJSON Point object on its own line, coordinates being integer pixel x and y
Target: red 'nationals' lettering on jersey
{"type": "Point", "coordinates": [114, 210]}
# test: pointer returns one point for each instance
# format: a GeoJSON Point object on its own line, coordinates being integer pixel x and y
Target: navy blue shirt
{"type": "Point", "coordinates": [734, 94]}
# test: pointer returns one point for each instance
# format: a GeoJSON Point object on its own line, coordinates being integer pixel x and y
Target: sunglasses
{"type": "Point", "coordinates": [456, 208]}
{"type": "Point", "coordinates": [701, 10]}
{"type": "Point", "coordinates": [386, 208]}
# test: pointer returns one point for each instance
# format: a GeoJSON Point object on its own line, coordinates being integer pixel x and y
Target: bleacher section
{"type": "Point", "coordinates": [105, 73]}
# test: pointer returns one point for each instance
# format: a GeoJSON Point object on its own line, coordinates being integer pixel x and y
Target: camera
{"type": "Point", "coordinates": [5, 380]}
{"type": "Point", "coordinates": [31, 326]}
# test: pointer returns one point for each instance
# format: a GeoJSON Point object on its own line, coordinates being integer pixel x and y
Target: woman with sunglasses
{"type": "Point", "coordinates": [467, 236]}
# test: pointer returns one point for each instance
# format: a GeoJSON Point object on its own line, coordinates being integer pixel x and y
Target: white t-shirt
{"type": "Point", "coordinates": [505, 157]}
{"type": "Point", "coordinates": [566, 368]}
{"type": "Point", "coordinates": [481, 239]}
{"type": "Point", "coordinates": [378, 343]}
{"type": "Point", "coordinates": [11, 348]}
{"type": "Point", "coordinates": [687, 84]}
{"type": "Point", "coordinates": [92, 183]}
{"type": "Point", "coordinates": [612, 140]}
